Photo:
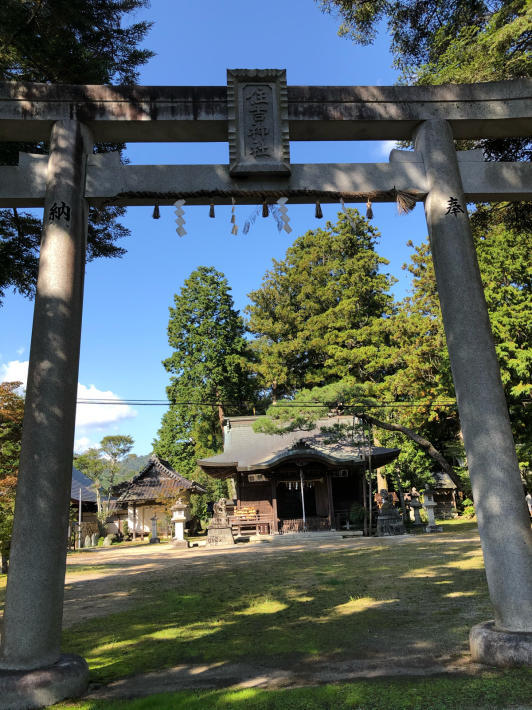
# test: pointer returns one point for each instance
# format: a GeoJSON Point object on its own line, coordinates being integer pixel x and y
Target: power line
{"type": "Point", "coordinates": [293, 405]}
{"type": "Point", "coordinates": [164, 402]}
{"type": "Point", "coordinates": [288, 405]}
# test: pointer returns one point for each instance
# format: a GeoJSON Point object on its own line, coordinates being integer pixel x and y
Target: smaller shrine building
{"type": "Point", "coordinates": [149, 494]}
{"type": "Point", "coordinates": [298, 481]}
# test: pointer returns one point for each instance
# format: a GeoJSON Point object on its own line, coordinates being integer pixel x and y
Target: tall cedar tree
{"type": "Point", "coordinates": [63, 42]}
{"type": "Point", "coordinates": [319, 315]}
{"type": "Point", "coordinates": [210, 376]}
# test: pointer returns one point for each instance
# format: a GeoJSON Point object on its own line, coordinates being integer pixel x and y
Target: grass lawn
{"type": "Point", "coordinates": [409, 603]}
{"type": "Point", "coordinates": [414, 601]}
{"type": "Point", "coordinates": [417, 599]}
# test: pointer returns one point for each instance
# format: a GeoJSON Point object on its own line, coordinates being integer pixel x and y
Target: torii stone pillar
{"type": "Point", "coordinates": [503, 520]}
{"type": "Point", "coordinates": [34, 600]}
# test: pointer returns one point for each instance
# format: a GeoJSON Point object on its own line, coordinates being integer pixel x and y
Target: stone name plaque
{"type": "Point", "coordinates": [219, 537]}
{"type": "Point", "coordinates": [257, 107]}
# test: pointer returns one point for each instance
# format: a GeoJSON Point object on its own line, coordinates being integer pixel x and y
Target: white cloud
{"type": "Point", "coordinates": [20, 351]}
{"type": "Point", "coordinates": [384, 147]}
{"type": "Point", "coordinates": [82, 444]}
{"type": "Point", "coordinates": [14, 371]}
{"type": "Point", "coordinates": [87, 415]}
{"type": "Point", "coordinates": [100, 415]}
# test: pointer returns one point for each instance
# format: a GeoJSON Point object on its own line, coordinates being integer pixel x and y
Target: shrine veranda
{"type": "Point", "coordinates": [258, 114]}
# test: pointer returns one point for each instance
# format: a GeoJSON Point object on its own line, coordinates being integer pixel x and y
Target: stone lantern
{"type": "Point", "coordinates": [429, 505]}
{"type": "Point", "coordinates": [178, 520]}
{"type": "Point", "coordinates": [415, 505]}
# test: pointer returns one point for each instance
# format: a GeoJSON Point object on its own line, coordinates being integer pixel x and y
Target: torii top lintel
{"type": "Point", "coordinates": [200, 113]}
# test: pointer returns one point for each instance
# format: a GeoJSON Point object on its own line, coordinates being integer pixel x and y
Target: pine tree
{"type": "Point", "coordinates": [319, 315]}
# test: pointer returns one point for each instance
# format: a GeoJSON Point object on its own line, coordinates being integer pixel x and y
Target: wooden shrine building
{"type": "Point", "coordinates": [148, 494]}
{"type": "Point", "coordinates": [296, 481]}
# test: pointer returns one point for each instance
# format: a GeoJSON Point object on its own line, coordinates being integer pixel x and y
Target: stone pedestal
{"type": "Point", "coordinates": [500, 648]}
{"type": "Point", "coordinates": [415, 505]}
{"type": "Point", "coordinates": [220, 537]}
{"type": "Point", "coordinates": [153, 538]}
{"type": "Point", "coordinates": [389, 521]}
{"type": "Point", "coordinates": [219, 533]}
{"type": "Point", "coordinates": [179, 519]}
{"type": "Point", "coordinates": [68, 677]}
{"type": "Point", "coordinates": [429, 505]}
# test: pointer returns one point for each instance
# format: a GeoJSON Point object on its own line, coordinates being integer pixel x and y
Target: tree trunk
{"type": "Point", "coordinates": [420, 441]}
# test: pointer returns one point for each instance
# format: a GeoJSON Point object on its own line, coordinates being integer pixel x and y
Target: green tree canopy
{"type": "Point", "coordinates": [11, 416]}
{"type": "Point", "coordinates": [320, 312]}
{"type": "Point", "coordinates": [210, 375]}
{"type": "Point", "coordinates": [422, 369]}
{"type": "Point", "coordinates": [452, 41]}
{"type": "Point", "coordinates": [63, 42]}
{"type": "Point", "coordinates": [102, 465]}
{"type": "Point", "coordinates": [422, 31]}
{"type": "Point", "coordinates": [456, 41]}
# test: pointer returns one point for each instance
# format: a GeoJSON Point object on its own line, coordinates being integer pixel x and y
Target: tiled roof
{"type": "Point", "coordinates": [442, 480]}
{"type": "Point", "coordinates": [246, 450]}
{"type": "Point", "coordinates": [80, 481]}
{"type": "Point", "coordinates": [156, 480]}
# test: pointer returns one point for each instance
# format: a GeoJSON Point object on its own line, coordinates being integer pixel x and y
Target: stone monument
{"type": "Point", "coordinates": [389, 521]}
{"type": "Point", "coordinates": [429, 505]}
{"type": "Point", "coordinates": [153, 536]}
{"type": "Point", "coordinates": [178, 520]}
{"type": "Point", "coordinates": [219, 533]}
{"type": "Point", "coordinates": [415, 505]}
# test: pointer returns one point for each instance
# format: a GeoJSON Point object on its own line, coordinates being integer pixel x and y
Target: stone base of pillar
{"type": "Point", "coordinates": [41, 687]}
{"type": "Point", "coordinates": [155, 540]}
{"type": "Point", "coordinates": [500, 648]}
{"type": "Point", "coordinates": [179, 543]}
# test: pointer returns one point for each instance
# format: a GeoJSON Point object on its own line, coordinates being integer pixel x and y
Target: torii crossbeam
{"type": "Point", "coordinates": [258, 115]}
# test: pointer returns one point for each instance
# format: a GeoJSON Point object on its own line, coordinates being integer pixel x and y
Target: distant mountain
{"type": "Point", "coordinates": [131, 465]}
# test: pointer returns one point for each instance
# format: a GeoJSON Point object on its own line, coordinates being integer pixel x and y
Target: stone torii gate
{"type": "Point", "coordinates": [259, 115]}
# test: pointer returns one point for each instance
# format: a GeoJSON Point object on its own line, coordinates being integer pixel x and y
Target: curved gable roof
{"type": "Point", "coordinates": [246, 450]}
{"type": "Point", "coordinates": [156, 480]}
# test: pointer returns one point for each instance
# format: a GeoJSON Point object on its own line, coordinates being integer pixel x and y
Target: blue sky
{"type": "Point", "coordinates": [126, 300]}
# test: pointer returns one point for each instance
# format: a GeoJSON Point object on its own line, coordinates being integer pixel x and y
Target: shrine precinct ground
{"type": "Point", "coordinates": [258, 114]}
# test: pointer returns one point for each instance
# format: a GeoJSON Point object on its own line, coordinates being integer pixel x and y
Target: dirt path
{"type": "Point", "coordinates": [112, 580]}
